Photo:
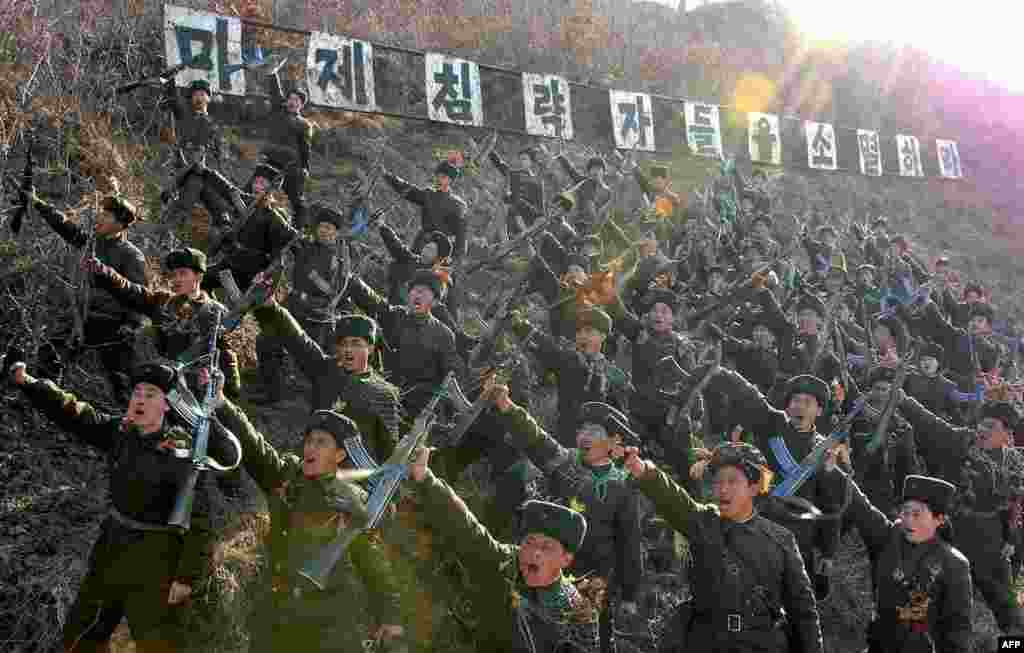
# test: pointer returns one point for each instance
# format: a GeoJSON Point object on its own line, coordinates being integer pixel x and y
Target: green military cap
{"type": "Point", "coordinates": [746, 457]}
{"type": "Point", "coordinates": [659, 171]}
{"type": "Point", "coordinates": [1003, 411]}
{"type": "Point", "coordinates": [300, 90]}
{"type": "Point", "coordinates": [199, 85]}
{"type": "Point", "coordinates": [613, 420]}
{"type": "Point", "coordinates": [332, 422]}
{"type": "Point", "coordinates": [357, 326]}
{"type": "Point", "coordinates": [826, 228]}
{"type": "Point", "coordinates": [557, 522]}
{"type": "Point", "coordinates": [267, 171]}
{"type": "Point", "coordinates": [811, 303]}
{"type": "Point", "coordinates": [933, 350]}
{"type": "Point", "coordinates": [762, 217]}
{"type": "Point", "coordinates": [866, 267]}
{"type": "Point", "coordinates": [974, 287]}
{"type": "Point", "coordinates": [188, 257]}
{"type": "Point", "coordinates": [935, 492]}
{"type": "Point", "coordinates": [594, 317]}
{"type": "Point", "coordinates": [153, 373]}
{"type": "Point", "coordinates": [810, 385]}
{"type": "Point", "coordinates": [659, 296]}
{"type": "Point", "coordinates": [447, 169]}
{"type": "Point", "coordinates": [123, 210]}
{"type": "Point", "coordinates": [430, 279]}
{"type": "Point", "coordinates": [325, 214]}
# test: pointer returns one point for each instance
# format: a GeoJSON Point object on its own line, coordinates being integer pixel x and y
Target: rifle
{"type": "Point", "coordinates": [512, 245]}
{"type": "Point", "coordinates": [469, 416]}
{"type": "Point", "coordinates": [816, 458]}
{"type": "Point", "coordinates": [181, 515]}
{"type": "Point", "coordinates": [878, 439]}
{"type": "Point", "coordinates": [85, 283]}
{"type": "Point", "coordinates": [388, 477]}
{"type": "Point", "coordinates": [26, 185]}
{"type": "Point", "coordinates": [156, 79]}
{"type": "Point", "coordinates": [684, 408]}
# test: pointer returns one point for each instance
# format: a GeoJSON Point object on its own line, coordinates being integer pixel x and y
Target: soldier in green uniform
{"type": "Point", "coordinates": [140, 568]}
{"type": "Point", "coordinates": [199, 148]}
{"type": "Point", "coordinates": [584, 373]}
{"type": "Point", "coordinates": [290, 138]}
{"type": "Point", "coordinates": [309, 506]}
{"type": "Point", "coordinates": [750, 589]}
{"type": "Point", "coordinates": [923, 594]}
{"type": "Point", "coordinates": [343, 379]}
{"type": "Point", "coordinates": [586, 476]}
{"type": "Point", "coordinates": [110, 327]}
{"type": "Point", "coordinates": [182, 317]}
{"type": "Point", "coordinates": [522, 596]}
{"type": "Point", "coordinates": [258, 241]}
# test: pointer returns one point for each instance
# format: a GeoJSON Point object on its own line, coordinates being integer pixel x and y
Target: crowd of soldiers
{"type": "Point", "coordinates": [771, 407]}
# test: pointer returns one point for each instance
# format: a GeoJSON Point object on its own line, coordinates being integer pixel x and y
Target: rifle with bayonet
{"type": "Point", "coordinates": [181, 514]}
{"type": "Point", "coordinates": [155, 80]}
{"type": "Point", "coordinates": [385, 480]}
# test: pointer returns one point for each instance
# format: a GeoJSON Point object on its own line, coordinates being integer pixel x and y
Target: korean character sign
{"type": "Point", "coordinates": [703, 131]}
{"type": "Point", "coordinates": [339, 72]}
{"type": "Point", "coordinates": [909, 155]}
{"type": "Point", "coordinates": [821, 146]}
{"type": "Point", "coordinates": [632, 120]}
{"type": "Point", "coordinates": [870, 153]}
{"type": "Point", "coordinates": [453, 90]}
{"type": "Point", "coordinates": [546, 99]}
{"type": "Point", "coordinates": [763, 138]}
{"type": "Point", "coordinates": [212, 43]}
{"type": "Point", "coordinates": [949, 159]}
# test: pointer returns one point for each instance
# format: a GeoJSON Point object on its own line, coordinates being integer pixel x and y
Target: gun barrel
{"type": "Point", "coordinates": [181, 515]}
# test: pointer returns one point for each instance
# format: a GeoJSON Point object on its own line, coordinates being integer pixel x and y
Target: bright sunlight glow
{"type": "Point", "coordinates": [982, 38]}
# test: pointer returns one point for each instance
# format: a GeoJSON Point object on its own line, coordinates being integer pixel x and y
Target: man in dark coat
{"type": "Point", "coordinates": [110, 327]}
{"type": "Point", "coordinates": [521, 595]}
{"type": "Point", "coordinates": [988, 472]}
{"type": "Point", "coordinates": [182, 317]}
{"type": "Point", "coordinates": [750, 589]}
{"type": "Point", "coordinates": [923, 594]}
{"type": "Point", "coordinates": [421, 350]}
{"type": "Point", "coordinates": [140, 568]}
{"type": "Point", "coordinates": [590, 192]}
{"type": "Point", "coordinates": [584, 373]}
{"type": "Point", "coordinates": [931, 387]}
{"type": "Point", "coordinates": [788, 436]}
{"type": "Point", "coordinates": [440, 208]}
{"type": "Point", "coordinates": [289, 143]}
{"type": "Point", "coordinates": [525, 194]}
{"type": "Point", "coordinates": [587, 475]}
{"type": "Point", "coordinates": [309, 507]}
{"type": "Point", "coordinates": [317, 277]}
{"type": "Point", "coordinates": [342, 378]}
{"type": "Point", "coordinates": [970, 352]}
{"type": "Point", "coordinates": [199, 153]}
{"type": "Point", "coordinates": [253, 245]}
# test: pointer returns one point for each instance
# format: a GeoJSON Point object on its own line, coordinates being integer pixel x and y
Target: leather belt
{"type": "Point", "coordinates": [135, 525]}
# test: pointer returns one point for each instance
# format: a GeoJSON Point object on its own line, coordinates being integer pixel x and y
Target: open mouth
{"type": "Point", "coordinates": [531, 569]}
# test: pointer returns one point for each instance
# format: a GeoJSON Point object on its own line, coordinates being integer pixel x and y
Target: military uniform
{"type": "Point", "coordinates": [368, 399]}
{"type": "Point", "coordinates": [199, 142]}
{"type": "Point", "coordinates": [966, 353]}
{"type": "Point", "coordinates": [590, 195]}
{"type": "Point", "coordinates": [110, 327]}
{"type": "Point", "coordinates": [985, 478]}
{"type": "Point", "coordinates": [289, 143]}
{"type": "Point", "coordinates": [784, 448]}
{"type": "Point", "coordinates": [612, 548]}
{"type": "Point", "coordinates": [137, 555]}
{"type": "Point", "coordinates": [923, 594]}
{"type": "Point", "coordinates": [180, 323]}
{"type": "Point", "coordinates": [750, 589]}
{"type": "Point", "coordinates": [511, 617]}
{"type": "Point", "coordinates": [525, 196]}
{"type": "Point", "coordinates": [581, 377]}
{"type": "Point", "coordinates": [360, 591]}
{"type": "Point", "coordinates": [311, 294]}
{"type": "Point", "coordinates": [423, 347]}
{"type": "Point", "coordinates": [258, 242]}
{"type": "Point", "coordinates": [439, 211]}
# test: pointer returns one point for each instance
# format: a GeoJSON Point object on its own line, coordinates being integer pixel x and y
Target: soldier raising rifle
{"type": "Point", "coordinates": [140, 568]}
